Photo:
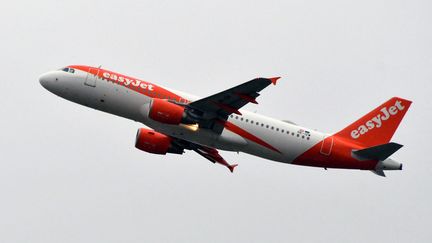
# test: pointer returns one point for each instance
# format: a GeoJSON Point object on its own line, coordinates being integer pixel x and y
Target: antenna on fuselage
{"type": "Point", "coordinates": [99, 66]}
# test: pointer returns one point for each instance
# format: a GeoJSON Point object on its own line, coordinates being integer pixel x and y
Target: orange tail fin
{"type": "Point", "coordinates": [378, 126]}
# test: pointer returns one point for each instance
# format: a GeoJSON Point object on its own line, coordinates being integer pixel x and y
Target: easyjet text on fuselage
{"type": "Point", "coordinates": [127, 81]}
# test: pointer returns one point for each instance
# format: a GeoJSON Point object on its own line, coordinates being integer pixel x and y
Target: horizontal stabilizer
{"type": "Point", "coordinates": [379, 172]}
{"type": "Point", "coordinates": [380, 152]}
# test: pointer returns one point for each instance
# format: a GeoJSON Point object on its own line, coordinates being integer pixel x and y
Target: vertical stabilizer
{"type": "Point", "coordinates": [378, 126]}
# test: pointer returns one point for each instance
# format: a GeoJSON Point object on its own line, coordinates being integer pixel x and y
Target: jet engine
{"type": "Point", "coordinates": [156, 143]}
{"type": "Point", "coordinates": [167, 112]}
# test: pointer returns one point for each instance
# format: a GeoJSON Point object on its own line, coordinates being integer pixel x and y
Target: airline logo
{"type": "Point", "coordinates": [127, 81]}
{"type": "Point", "coordinates": [377, 121]}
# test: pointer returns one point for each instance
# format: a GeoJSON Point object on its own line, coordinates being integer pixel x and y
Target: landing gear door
{"type": "Point", "coordinates": [91, 77]}
{"type": "Point", "coordinates": [327, 145]}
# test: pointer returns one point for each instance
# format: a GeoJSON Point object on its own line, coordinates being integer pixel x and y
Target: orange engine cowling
{"type": "Point", "coordinates": [156, 143]}
{"type": "Point", "coordinates": [166, 112]}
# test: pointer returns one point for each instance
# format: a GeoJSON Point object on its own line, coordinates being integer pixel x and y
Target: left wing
{"type": "Point", "coordinates": [214, 156]}
{"type": "Point", "coordinates": [207, 152]}
{"type": "Point", "coordinates": [219, 106]}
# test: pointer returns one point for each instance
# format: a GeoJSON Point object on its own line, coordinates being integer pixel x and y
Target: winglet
{"type": "Point", "coordinates": [274, 80]}
{"type": "Point", "coordinates": [231, 167]}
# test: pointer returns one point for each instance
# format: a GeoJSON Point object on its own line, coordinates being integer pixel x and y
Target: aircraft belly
{"type": "Point", "coordinates": [110, 98]}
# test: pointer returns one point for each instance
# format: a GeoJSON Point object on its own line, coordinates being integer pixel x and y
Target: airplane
{"type": "Point", "coordinates": [176, 121]}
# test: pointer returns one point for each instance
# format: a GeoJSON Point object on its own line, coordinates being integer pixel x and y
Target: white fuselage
{"type": "Point", "coordinates": [288, 139]}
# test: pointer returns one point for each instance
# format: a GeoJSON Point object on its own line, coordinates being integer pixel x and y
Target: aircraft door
{"type": "Point", "coordinates": [326, 145]}
{"type": "Point", "coordinates": [91, 77]}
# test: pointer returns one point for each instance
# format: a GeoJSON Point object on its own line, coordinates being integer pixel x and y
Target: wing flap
{"type": "Point", "coordinates": [219, 106]}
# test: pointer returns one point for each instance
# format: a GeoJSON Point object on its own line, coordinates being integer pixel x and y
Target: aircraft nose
{"type": "Point", "coordinates": [47, 80]}
{"type": "Point", "coordinates": [43, 80]}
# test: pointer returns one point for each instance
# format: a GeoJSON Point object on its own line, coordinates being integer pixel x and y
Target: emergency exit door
{"type": "Point", "coordinates": [91, 77]}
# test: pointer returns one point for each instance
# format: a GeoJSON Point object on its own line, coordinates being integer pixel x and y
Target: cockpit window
{"type": "Point", "coordinates": [68, 70]}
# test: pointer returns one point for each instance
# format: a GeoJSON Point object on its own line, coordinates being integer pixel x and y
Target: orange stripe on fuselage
{"type": "Point", "coordinates": [340, 156]}
{"type": "Point", "coordinates": [137, 85]}
{"type": "Point", "coordinates": [243, 133]}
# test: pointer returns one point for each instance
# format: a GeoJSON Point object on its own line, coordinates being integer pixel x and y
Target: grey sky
{"type": "Point", "coordinates": [71, 174]}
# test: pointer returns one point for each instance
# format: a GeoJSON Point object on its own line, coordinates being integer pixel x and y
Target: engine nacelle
{"type": "Point", "coordinates": [156, 143]}
{"type": "Point", "coordinates": [166, 112]}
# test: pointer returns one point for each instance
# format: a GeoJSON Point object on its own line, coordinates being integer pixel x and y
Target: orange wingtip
{"type": "Point", "coordinates": [274, 80]}
{"type": "Point", "coordinates": [231, 167]}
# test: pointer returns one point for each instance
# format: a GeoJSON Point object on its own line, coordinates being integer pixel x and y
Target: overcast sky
{"type": "Point", "coordinates": [72, 174]}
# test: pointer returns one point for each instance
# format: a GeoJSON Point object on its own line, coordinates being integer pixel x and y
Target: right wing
{"type": "Point", "coordinates": [219, 106]}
